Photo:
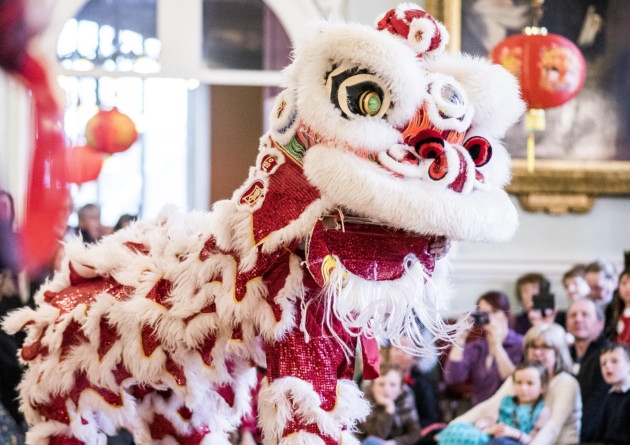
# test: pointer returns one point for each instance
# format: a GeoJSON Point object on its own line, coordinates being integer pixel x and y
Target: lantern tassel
{"type": "Point", "coordinates": [531, 142]}
{"type": "Point", "coordinates": [534, 121]}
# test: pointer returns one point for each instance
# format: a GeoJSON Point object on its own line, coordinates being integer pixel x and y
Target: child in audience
{"type": "Point", "coordinates": [519, 418]}
{"type": "Point", "coordinates": [615, 363]}
{"type": "Point", "coordinates": [393, 420]}
{"type": "Point", "coordinates": [620, 321]}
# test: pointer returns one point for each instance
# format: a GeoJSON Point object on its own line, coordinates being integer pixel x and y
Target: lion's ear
{"type": "Point", "coordinates": [283, 119]}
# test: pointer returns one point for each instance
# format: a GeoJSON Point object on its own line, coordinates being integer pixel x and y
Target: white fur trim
{"type": "Point", "coordinates": [39, 433]}
{"type": "Point", "coordinates": [389, 309]}
{"type": "Point", "coordinates": [380, 53]}
{"type": "Point", "coordinates": [290, 398]}
{"type": "Point", "coordinates": [284, 118]}
{"type": "Point", "coordinates": [426, 28]}
{"type": "Point", "coordinates": [448, 105]}
{"type": "Point", "coordinates": [493, 91]}
{"type": "Point", "coordinates": [301, 438]}
{"type": "Point", "coordinates": [421, 207]}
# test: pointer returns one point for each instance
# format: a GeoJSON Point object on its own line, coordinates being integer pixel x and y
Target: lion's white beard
{"type": "Point", "coordinates": [390, 309]}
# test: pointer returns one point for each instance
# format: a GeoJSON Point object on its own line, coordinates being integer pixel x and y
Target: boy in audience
{"type": "Point", "coordinates": [393, 420]}
{"type": "Point", "coordinates": [420, 374]}
{"type": "Point", "coordinates": [615, 363]}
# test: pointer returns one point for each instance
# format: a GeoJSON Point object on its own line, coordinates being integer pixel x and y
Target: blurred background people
{"type": "Point", "coordinates": [420, 374]}
{"type": "Point", "coordinates": [90, 227]}
{"type": "Point", "coordinates": [125, 220]}
{"type": "Point", "coordinates": [585, 322]}
{"type": "Point", "coordinates": [12, 425]}
{"type": "Point", "coordinates": [546, 343]}
{"type": "Point", "coordinates": [574, 283]}
{"type": "Point", "coordinates": [487, 361]}
{"type": "Point", "coordinates": [527, 286]}
{"type": "Point", "coordinates": [614, 429]}
{"type": "Point", "coordinates": [393, 419]}
{"type": "Point", "coordinates": [620, 310]}
{"type": "Point", "coordinates": [601, 276]}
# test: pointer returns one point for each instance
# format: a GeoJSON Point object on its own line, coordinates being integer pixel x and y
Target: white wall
{"type": "Point", "coordinates": [543, 243]}
{"type": "Point", "coordinates": [15, 138]}
{"type": "Point", "coordinates": [366, 11]}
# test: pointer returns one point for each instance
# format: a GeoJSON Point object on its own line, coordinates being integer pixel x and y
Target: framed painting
{"type": "Point", "coordinates": [584, 152]}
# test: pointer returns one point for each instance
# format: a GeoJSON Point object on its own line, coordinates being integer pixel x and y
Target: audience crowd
{"type": "Point", "coordinates": [542, 376]}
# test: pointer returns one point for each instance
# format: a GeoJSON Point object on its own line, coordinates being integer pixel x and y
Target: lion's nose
{"type": "Point", "coordinates": [429, 144]}
{"type": "Point", "coordinates": [453, 161]}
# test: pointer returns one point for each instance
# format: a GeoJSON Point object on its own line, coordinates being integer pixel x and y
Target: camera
{"type": "Point", "coordinates": [480, 318]}
{"type": "Point", "coordinates": [544, 300]}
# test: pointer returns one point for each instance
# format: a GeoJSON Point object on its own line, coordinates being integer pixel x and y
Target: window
{"type": "Point", "coordinates": [119, 37]}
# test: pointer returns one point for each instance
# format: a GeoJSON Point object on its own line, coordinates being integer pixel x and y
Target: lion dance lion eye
{"type": "Point", "coordinates": [479, 149]}
{"type": "Point", "coordinates": [370, 103]}
{"type": "Point", "coordinates": [357, 92]}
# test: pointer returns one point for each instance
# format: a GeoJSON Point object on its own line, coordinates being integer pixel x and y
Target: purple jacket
{"type": "Point", "coordinates": [485, 380]}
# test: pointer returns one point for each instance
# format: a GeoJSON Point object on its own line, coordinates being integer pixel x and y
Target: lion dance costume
{"type": "Point", "coordinates": [380, 144]}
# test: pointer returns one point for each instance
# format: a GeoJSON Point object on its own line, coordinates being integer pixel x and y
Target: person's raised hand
{"type": "Point", "coordinates": [439, 247]}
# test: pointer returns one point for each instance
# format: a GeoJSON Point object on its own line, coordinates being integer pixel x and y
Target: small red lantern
{"type": "Point", "coordinates": [110, 131]}
{"type": "Point", "coordinates": [551, 71]}
{"type": "Point", "coordinates": [83, 164]}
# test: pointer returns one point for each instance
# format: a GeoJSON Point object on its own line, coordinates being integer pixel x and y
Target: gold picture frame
{"type": "Point", "coordinates": [556, 186]}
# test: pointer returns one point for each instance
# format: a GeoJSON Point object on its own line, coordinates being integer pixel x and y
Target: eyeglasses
{"type": "Point", "coordinates": [542, 347]}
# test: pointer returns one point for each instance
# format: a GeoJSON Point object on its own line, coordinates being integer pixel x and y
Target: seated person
{"type": "Point", "coordinates": [546, 343]}
{"type": "Point", "coordinates": [614, 427]}
{"type": "Point", "coordinates": [574, 283]}
{"type": "Point", "coordinates": [527, 286]}
{"type": "Point", "coordinates": [519, 417]}
{"type": "Point", "coordinates": [90, 227]}
{"type": "Point", "coordinates": [585, 322]}
{"type": "Point", "coordinates": [488, 360]}
{"type": "Point", "coordinates": [602, 277]}
{"type": "Point", "coordinates": [620, 313]}
{"type": "Point", "coordinates": [393, 420]}
{"type": "Point", "coordinates": [420, 374]}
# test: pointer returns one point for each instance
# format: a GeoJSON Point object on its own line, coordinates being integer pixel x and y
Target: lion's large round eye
{"type": "Point", "coordinates": [451, 94]}
{"type": "Point", "coordinates": [370, 103]}
{"type": "Point", "coordinates": [449, 99]}
{"type": "Point", "coordinates": [357, 92]}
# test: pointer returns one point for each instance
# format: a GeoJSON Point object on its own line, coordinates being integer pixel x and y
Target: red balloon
{"type": "Point", "coordinates": [83, 164]}
{"type": "Point", "coordinates": [110, 131]}
{"type": "Point", "coordinates": [550, 68]}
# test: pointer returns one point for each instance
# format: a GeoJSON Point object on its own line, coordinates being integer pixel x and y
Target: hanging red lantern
{"type": "Point", "coordinates": [110, 131]}
{"type": "Point", "coordinates": [551, 71]}
{"type": "Point", "coordinates": [83, 164]}
{"type": "Point", "coordinates": [550, 68]}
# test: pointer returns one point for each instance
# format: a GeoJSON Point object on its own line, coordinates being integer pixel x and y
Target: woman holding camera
{"type": "Point", "coordinates": [488, 360]}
